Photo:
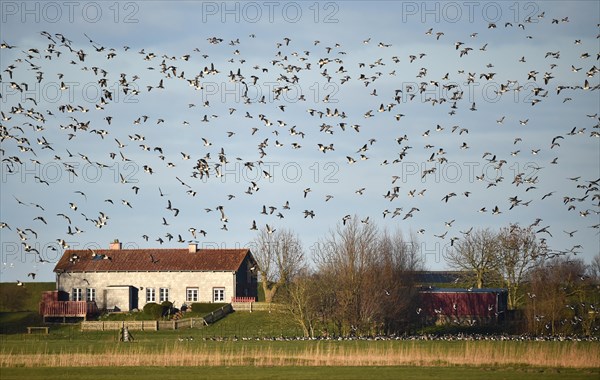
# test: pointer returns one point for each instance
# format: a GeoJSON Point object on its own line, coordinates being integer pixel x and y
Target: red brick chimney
{"type": "Point", "coordinates": [115, 245]}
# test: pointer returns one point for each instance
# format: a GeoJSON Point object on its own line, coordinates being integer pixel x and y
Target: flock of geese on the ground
{"type": "Point", "coordinates": [35, 132]}
{"type": "Point", "coordinates": [432, 337]}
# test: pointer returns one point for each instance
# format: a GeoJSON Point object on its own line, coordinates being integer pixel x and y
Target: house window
{"type": "Point", "coordinates": [150, 295]}
{"type": "Point", "coordinates": [163, 294]}
{"type": "Point", "coordinates": [218, 294]}
{"type": "Point", "coordinates": [191, 295]}
{"type": "Point", "coordinates": [90, 294]}
{"type": "Point", "coordinates": [77, 294]}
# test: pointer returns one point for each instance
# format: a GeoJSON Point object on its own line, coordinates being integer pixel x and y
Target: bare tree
{"type": "Point", "coordinates": [368, 273]}
{"type": "Point", "coordinates": [594, 268]}
{"type": "Point", "coordinates": [397, 258]}
{"type": "Point", "coordinates": [280, 256]}
{"type": "Point", "coordinates": [302, 301]}
{"type": "Point", "coordinates": [324, 301]}
{"type": "Point", "coordinates": [518, 253]}
{"type": "Point", "coordinates": [476, 253]}
{"type": "Point", "coordinates": [558, 297]}
{"type": "Point", "coordinates": [347, 255]}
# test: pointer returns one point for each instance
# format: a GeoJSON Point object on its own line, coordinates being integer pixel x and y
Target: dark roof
{"type": "Point", "coordinates": [462, 290]}
{"type": "Point", "coordinates": [151, 260]}
{"type": "Point", "coordinates": [437, 277]}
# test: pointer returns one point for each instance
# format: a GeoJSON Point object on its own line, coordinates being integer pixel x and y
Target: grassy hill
{"type": "Point", "coordinates": [19, 305]}
{"type": "Point", "coordinates": [22, 298]}
{"type": "Point", "coordinates": [255, 324]}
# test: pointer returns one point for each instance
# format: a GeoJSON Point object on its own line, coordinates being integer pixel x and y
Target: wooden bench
{"type": "Point", "coordinates": [37, 328]}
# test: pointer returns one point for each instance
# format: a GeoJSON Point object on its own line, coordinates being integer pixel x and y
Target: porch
{"type": "Point", "coordinates": [68, 309]}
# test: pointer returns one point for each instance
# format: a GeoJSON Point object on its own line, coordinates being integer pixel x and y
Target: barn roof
{"type": "Point", "coordinates": [164, 260]}
{"type": "Point", "coordinates": [437, 277]}
{"type": "Point", "coordinates": [463, 290]}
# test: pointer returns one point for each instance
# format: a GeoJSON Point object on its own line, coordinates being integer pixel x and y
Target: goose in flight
{"type": "Point", "coordinates": [269, 229]}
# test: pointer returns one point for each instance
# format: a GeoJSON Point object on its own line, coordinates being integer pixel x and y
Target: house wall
{"type": "Point", "coordinates": [246, 280]}
{"type": "Point", "coordinates": [114, 297]}
{"type": "Point", "coordinates": [176, 282]}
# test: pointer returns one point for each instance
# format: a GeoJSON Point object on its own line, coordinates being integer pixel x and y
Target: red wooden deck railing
{"type": "Point", "coordinates": [67, 308]}
{"type": "Point", "coordinates": [243, 299]}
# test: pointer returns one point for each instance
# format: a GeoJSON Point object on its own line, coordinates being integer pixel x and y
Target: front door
{"type": "Point", "coordinates": [133, 298]}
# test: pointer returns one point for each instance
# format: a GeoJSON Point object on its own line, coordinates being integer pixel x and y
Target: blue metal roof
{"type": "Point", "coordinates": [437, 276]}
{"type": "Point", "coordinates": [463, 290]}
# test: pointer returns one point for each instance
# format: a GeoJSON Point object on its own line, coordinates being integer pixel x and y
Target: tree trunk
{"type": "Point", "coordinates": [512, 296]}
{"type": "Point", "coordinates": [304, 329]}
{"type": "Point", "coordinates": [269, 293]}
{"type": "Point", "coordinates": [479, 280]}
{"type": "Point", "coordinates": [269, 289]}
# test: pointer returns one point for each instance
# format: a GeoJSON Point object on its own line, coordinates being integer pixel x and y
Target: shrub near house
{"type": "Point", "coordinates": [155, 310]}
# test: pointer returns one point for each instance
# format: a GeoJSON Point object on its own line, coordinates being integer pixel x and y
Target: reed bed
{"type": "Point", "coordinates": [468, 353]}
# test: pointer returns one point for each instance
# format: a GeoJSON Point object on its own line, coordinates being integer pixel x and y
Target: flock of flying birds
{"type": "Point", "coordinates": [37, 132]}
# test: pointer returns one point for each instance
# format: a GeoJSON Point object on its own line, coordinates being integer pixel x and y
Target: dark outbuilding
{"type": "Point", "coordinates": [457, 305]}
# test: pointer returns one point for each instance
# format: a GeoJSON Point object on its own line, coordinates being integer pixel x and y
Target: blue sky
{"type": "Point", "coordinates": [372, 39]}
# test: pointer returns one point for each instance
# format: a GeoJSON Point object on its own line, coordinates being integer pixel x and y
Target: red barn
{"type": "Point", "coordinates": [463, 306]}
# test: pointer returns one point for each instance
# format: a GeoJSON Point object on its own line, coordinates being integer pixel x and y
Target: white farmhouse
{"type": "Point", "coordinates": [126, 279]}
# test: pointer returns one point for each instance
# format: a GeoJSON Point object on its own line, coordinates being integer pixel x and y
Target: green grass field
{"type": "Point", "coordinates": [334, 373]}
{"type": "Point", "coordinates": [227, 350]}
{"type": "Point", "coordinates": [69, 347]}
